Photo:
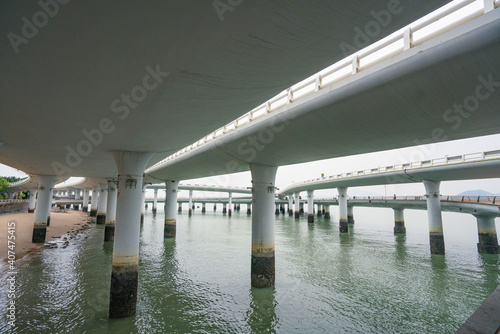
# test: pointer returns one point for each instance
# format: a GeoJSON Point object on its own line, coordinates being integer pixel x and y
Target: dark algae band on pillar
{"type": "Point", "coordinates": [123, 295]}
{"type": "Point", "coordinates": [437, 242]}
{"type": "Point", "coordinates": [109, 232]}
{"type": "Point", "coordinates": [263, 270]}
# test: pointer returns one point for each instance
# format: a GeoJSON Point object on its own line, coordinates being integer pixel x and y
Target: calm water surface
{"type": "Point", "coordinates": [366, 281]}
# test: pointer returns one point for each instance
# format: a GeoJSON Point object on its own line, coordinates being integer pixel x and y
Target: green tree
{"type": "Point", "coordinates": [4, 187]}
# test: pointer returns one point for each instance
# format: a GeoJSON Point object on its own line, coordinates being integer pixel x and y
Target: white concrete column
{"type": "Point", "coordinates": [143, 202]}
{"type": "Point", "coordinates": [45, 183]}
{"type": "Point", "coordinates": [85, 206]}
{"type": "Point", "coordinates": [487, 232]}
{"type": "Point", "coordinates": [290, 205]}
{"type": "Point", "coordinates": [203, 207]}
{"type": "Point", "coordinates": [434, 215]}
{"type": "Point", "coordinates": [399, 221]}
{"type": "Point", "coordinates": [77, 194]}
{"type": "Point", "coordinates": [155, 200]}
{"type": "Point", "coordinates": [230, 203]}
{"type": "Point", "coordinates": [327, 212]}
{"type": "Point", "coordinates": [50, 206]}
{"type": "Point", "coordinates": [263, 189]}
{"type": "Point", "coordinates": [297, 205]}
{"type": "Point", "coordinates": [32, 202]}
{"type": "Point", "coordinates": [102, 203]}
{"type": "Point", "coordinates": [350, 214]}
{"type": "Point", "coordinates": [171, 189]}
{"type": "Point", "coordinates": [109, 228]}
{"type": "Point", "coordinates": [190, 212]}
{"type": "Point", "coordinates": [93, 201]}
{"type": "Point", "coordinates": [180, 207]}
{"type": "Point", "coordinates": [224, 208]}
{"type": "Point", "coordinates": [310, 206]}
{"type": "Point", "coordinates": [124, 275]}
{"type": "Point", "coordinates": [249, 210]}
{"type": "Point", "coordinates": [343, 219]}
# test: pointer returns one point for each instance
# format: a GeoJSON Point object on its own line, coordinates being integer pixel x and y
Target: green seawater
{"type": "Point", "coordinates": [365, 281]}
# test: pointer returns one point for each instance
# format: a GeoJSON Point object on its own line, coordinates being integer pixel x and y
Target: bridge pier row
{"type": "Point", "coordinates": [290, 205]}
{"type": "Point", "coordinates": [224, 208]}
{"type": "Point", "coordinates": [32, 202]}
{"type": "Point", "coordinates": [249, 210]}
{"type": "Point", "coordinates": [203, 207]}
{"type": "Point", "coordinates": [109, 227]}
{"type": "Point", "coordinates": [85, 204]}
{"type": "Point", "coordinates": [190, 211]}
{"type": "Point", "coordinates": [343, 211]}
{"type": "Point", "coordinates": [297, 206]}
{"type": "Point", "coordinates": [155, 200]}
{"type": "Point", "coordinates": [102, 204]}
{"type": "Point", "coordinates": [487, 232]}
{"type": "Point", "coordinates": [124, 273]}
{"type": "Point", "coordinates": [327, 212]}
{"type": "Point", "coordinates": [143, 202]}
{"type": "Point", "coordinates": [171, 188]}
{"type": "Point", "coordinates": [45, 183]}
{"type": "Point", "coordinates": [93, 201]}
{"type": "Point", "coordinates": [436, 237]}
{"type": "Point", "coordinates": [263, 189]}
{"type": "Point", "coordinates": [230, 204]}
{"type": "Point", "coordinates": [399, 221]}
{"type": "Point", "coordinates": [277, 211]}
{"type": "Point", "coordinates": [310, 206]}
{"type": "Point", "coordinates": [350, 215]}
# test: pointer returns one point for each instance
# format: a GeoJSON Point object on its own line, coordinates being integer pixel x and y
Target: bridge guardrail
{"type": "Point", "coordinates": [465, 199]}
{"type": "Point", "coordinates": [456, 13]}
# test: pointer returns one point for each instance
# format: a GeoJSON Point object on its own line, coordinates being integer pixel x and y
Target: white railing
{"type": "Point", "coordinates": [447, 160]}
{"type": "Point", "coordinates": [464, 199]}
{"type": "Point", "coordinates": [438, 22]}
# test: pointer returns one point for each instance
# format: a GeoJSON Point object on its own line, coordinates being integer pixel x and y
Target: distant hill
{"type": "Point", "coordinates": [477, 192]}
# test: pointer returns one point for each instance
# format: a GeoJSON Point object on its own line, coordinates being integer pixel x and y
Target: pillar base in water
{"type": "Point", "coordinates": [350, 219]}
{"type": "Point", "coordinates": [277, 212]}
{"type": "Point", "coordinates": [154, 210]}
{"type": "Point", "coordinates": [263, 272]}
{"type": "Point", "coordinates": [109, 232]}
{"type": "Point", "coordinates": [249, 212]}
{"type": "Point", "coordinates": [399, 228]}
{"type": "Point", "coordinates": [31, 210]}
{"type": "Point", "coordinates": [169, 229]}
{"type": "Point", "coordinates": [290, 213]}
{"type": "Point", "coordinates": [297, 214]}
{"type": "Point", "coordinates": [85, 209]}
{"type": "Point", "coordinates": [327, 215]}
{"type": "Point", "coordinates": [39, 233]}
{"type": "Point", "coordinates": [224, 210]}
{"type": "Point", "coordinates": [310, 218]}
{"type": "Point", "coordinates": [100, 220]}
{"type": "Point", "coordinates": [203, 210]}
{"type": "Point", "coordinates": [142, 218]}
{"type": "Point", "coordinates": [179, 209]}
{"type": "Point", "coordinates": [93, 213]}
{"type": "Point", "coordinates": [190, 212]}
{"type": "Point", "coordinates": [123, 296]}
{"type": "Point", "coordinates": [343, 226]}
{"type": "Point", "coordinates": [319, 214]}
{"type": "Point", "coordinates": [48, 221]}
{"type": "Point", "coordinates": [437, 243]}
{"type": "Point", "coordinates": [488, 243]}
{"type": "Point", "coordinates": [229, 212]}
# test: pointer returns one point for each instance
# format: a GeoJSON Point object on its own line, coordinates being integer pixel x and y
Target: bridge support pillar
{"type": "Point", "coordinates": [263, 189]}
{"type": "Point", "coordinates": [143, 202]}
{"type": "Point", "coordinates": [109, 227]}
{"type": "Point", "coordinates": [488, 241]}
{"type": "Point", "coordinates": [230, 204]}
{"type": "Point", "coordinates": [155, 200]}
{"type": "Point", "coordinates": [319, 213]}
{"type": "Point", "coordinates": [170, 203]}
{"type": "Point", "coordinates": [45, 183]}
{"type": "Point", "coordinates": [249, 210]}
{"type": "Point", "coordinates": [180, 207]}
{"type": "Point", "coordinates": [32, 202]}
{"type": "Point", "coordinates": [327, 212]}
{"type": "Point", "coordinates": [85, 203]}
{"type": "Point", "coordinates": [277, 211]}
{"type": "Point", "coordinates": [297, 205]}
{"type": "Point", "coordinates": [224, 208]}
{"type": "Point", "coordinates": [310, 206]}
{"type": "Point", "coordinates": [77, 194]}
{"type": "Point", "coordinates": [343, 213]}
{"type": "Point", "coordinates": [301, 209]}
{"type": "Point", "coordinates": [290, 205]}
{"type": "Point", "coordinates": [102, 204]}
{"type": "Point", "coordinates": [50, 207]}
{"type": "Point", "coordinates": [399, 221]}
{"type": "Point", "coordinates": [190, 211]}
{"type": "Point", "coordinates": [203, 207]}
{"type": "Point", "coordinates": [124, 274]}
{"type": "Point", "coordinates": [93, 201]}
{"type": "Point", "coordinates": [350, 215]}
{"type": "Point", "coordinates": [436, 237]}
{"type": "Point", "coordinates": [215, 207]}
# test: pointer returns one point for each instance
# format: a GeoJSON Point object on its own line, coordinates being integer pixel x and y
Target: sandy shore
{"type": "Point", "coordinates": [61, 223]}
